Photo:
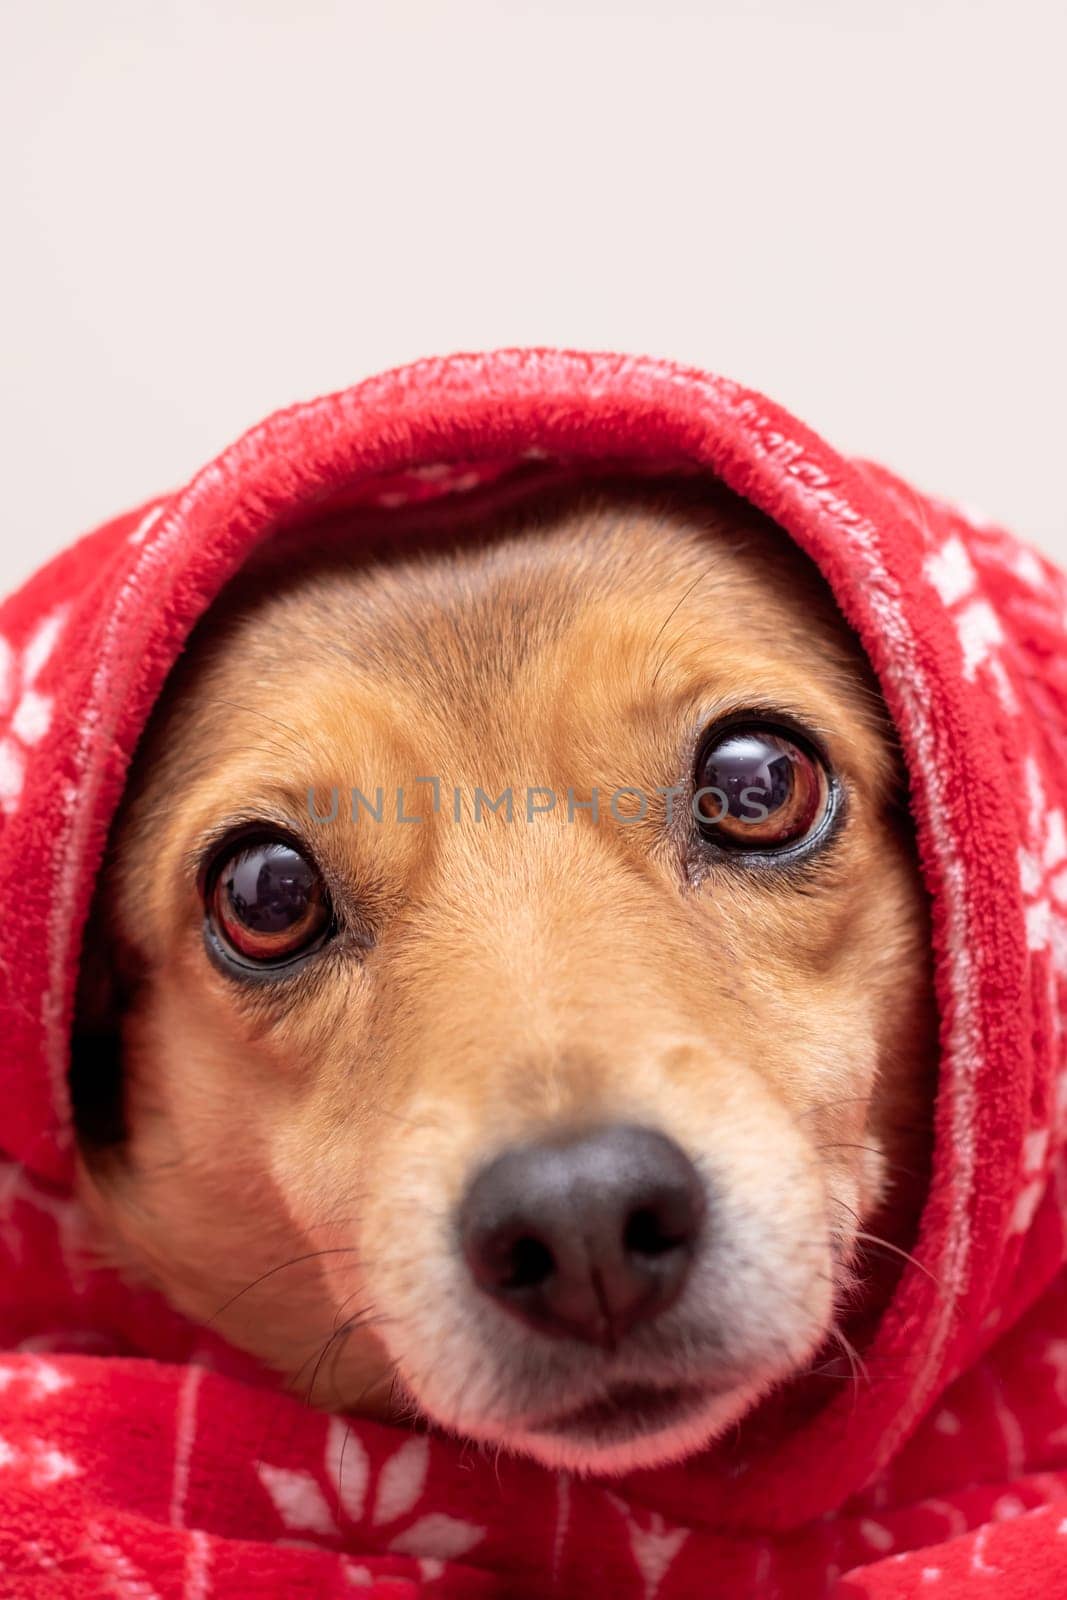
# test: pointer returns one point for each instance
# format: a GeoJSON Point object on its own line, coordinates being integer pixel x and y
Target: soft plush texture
{"type": "Point", "coordinates": [140, 1457]}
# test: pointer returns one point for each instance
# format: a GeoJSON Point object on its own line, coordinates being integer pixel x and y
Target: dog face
{"type": "Point", "coordinates": [555, 1127]}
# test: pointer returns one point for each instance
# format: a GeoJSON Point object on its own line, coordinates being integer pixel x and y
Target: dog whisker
{"type": "Point", "coordinates": [873, 1150]}
{"type": "Point", "coordinates": [338, 1337]}
{"type": "Point", "coordinates": [905, 1255]}
{"type": "Point", "coordinates": [856, 1363]}
{"type": "Point", "coordinates": [294, 1261]}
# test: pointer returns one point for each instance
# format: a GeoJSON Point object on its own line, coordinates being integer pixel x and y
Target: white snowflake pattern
{"type": "Point", "coordinates": [27, 712]}
{"type": "Point", "coordinates": [379, 1501]}
{"type": "Point", "coordinates": [949, 570]}
{"type": "Point", "coordinates": [38, 1379]}
{"type": "Point", "coordinates": [1043, 875]}
{"type": "Point", "coordinates": [1043, 881]}
{"type": "Point", "coordinates": [1043, 872]}
{"type": "Point", "coordinates": [1035, 1175]}
{"type": "Point", "coordinates": [654, 1543]}
{"type": "Point", "coordinates": [42, 1462]}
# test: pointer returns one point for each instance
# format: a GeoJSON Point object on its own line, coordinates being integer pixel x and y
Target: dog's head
{"type": "Point", "coordinates": [521, 969]}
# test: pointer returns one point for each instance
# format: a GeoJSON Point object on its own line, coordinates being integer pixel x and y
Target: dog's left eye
{"type": "Point", "coordinates": [267, 902]}
{"type": "Point", "coordinates": [759, 788]}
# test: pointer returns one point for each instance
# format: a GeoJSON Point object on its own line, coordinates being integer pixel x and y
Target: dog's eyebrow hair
{"type": "Point", "coordinates": [255, 711]}
{"type": "Point", "coordinates": [672, 613]}
{"type": "Point", "coordinates": [272, 813]}
{"type": "Point", "coordinates": [709, 705]}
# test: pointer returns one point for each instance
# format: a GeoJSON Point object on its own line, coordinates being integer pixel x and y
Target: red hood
{"type": "Point", "coordinates": [966, 631]}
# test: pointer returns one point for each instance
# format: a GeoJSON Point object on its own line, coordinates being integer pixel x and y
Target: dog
{"type": "Point", "coordinates": [517, 967]}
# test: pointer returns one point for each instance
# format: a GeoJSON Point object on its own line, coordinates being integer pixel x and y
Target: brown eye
{"type": "Point", "coordinates": [268, 903]}
{"type": "Point", "coordinates": [758, 789]}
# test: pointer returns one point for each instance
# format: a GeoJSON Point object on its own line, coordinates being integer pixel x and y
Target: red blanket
{"type": "Point", "coordinates": [140, 1457]}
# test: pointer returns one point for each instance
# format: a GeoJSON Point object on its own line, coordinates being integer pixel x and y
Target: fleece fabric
{"type": "Point", "coordinates": [138, 1457]}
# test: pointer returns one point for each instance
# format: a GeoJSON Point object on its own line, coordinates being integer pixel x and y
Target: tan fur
{"type": "Point", "coordinates": [295, 1151]}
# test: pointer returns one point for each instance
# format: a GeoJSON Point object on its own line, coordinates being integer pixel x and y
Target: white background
{"type": "Point", "coordinates": [214, 209]}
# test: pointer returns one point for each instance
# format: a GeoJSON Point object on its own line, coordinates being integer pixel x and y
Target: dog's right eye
{"type": "Point", "coordinates": [267, 903]}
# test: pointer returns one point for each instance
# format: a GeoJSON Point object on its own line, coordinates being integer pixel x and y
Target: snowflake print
{"type": "Point", "coordinates": [350, 1494]}
{"type": "Point", "coordinates": [1043, 870]}
{"type": "Point", "coordinates": [27, 712]}
{"type": "Point", "coordinates": [951, 574]}
{"type": "Point", "coordinates": [42, 1464]}
{"type": "Point", "coordinates": [1043, 876]}
{"type": "Point", "coordinates": [654, 1543]}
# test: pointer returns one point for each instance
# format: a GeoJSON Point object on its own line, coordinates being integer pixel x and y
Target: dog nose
{"type": "Point", "coordinates": [585, 1235]}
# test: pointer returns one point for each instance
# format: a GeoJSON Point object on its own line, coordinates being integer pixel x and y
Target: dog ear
{"type": "Point", "coordinates": [96, 1076]}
